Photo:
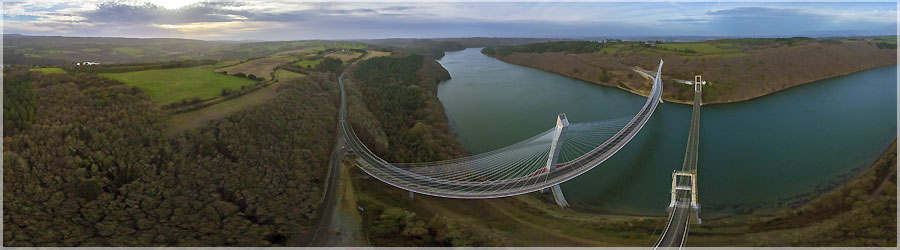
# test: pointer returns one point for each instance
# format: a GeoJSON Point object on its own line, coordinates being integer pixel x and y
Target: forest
{"type": "Point", "coordinates": [560, 46]}
{"type": "Point", "coordinates": [401, 93]}
{"type": "Point", "coordinates": [93, 166]}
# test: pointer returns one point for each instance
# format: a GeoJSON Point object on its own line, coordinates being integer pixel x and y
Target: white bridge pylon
{"type": "Point", "coordinates": [571, 150]}
{"type": "Point", "coordinates": [562, 124]}
{"type": "Point", "coordinates": [680, 186]}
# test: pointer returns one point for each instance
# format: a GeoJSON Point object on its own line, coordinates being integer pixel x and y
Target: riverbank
{"type": "Point", "coordinates": [750, 72]}
{"type": "Point", "coordinates": [533, 220]}
{"type": "Point", "coordinates": [391, 218]}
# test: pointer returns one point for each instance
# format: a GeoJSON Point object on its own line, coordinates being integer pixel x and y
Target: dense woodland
{"type": "Point", "coordinates": [400, 95]}
{"type": "Point", "coordinates": [393, 106]}
{"type": "Point", "coordinates": [96, 168]}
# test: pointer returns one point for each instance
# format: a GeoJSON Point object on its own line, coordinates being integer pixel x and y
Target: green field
{"type": "Point", "coordinates": [50, 70]}
{"type": "Point", "coordinates": [172, 85]}
{"type": "Point", "coordinates": [91, 50]}
{"type": "Point", "coordinates": [700, 48]}
{"type": "Point", "coordinates": [308, 63]}
{"type": "Point", "coordinates": [284, 75]}
{"type": "Point", "coordinates": [222, 64]}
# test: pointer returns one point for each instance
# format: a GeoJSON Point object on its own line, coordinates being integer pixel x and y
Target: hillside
{"type": "Point", "coordinates": [738, 69]}
{"type": "Point", "coordinates": [393, 103]}
{"type": "Point", "coordinates": [87, 162]}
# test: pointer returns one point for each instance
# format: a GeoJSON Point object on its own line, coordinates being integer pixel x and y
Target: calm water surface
{"type": "Point", "coordinates": [758, 153]}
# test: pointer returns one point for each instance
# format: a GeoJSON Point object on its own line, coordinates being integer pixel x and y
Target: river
{"type": "Point", "coordinates": [763, 153]}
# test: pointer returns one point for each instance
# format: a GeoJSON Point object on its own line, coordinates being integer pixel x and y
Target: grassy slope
{"type": "Point", "coordinates": [344, 57]}
{"type": "Point", "coordinates": [260, 67]}
{"type": "Point", "coordinates": [50, 70]}
{"type": "Point", "coordinates": [196, 118]}
{"type": "Point", "coordinates": [305, 63]}
{"type": "Point", "coordinates": [284, 75]}
{"type": "Point", "coordinates": [375, 53]}
{"type": "Point", "coordinates": [171, 85]}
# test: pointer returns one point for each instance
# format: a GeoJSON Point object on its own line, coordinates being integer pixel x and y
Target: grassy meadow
{"type": "Point", "coordinates": [172, 85]}
{"type": "Point", "coordinates": [375, 53]}
{"type": "Point", "coordinates": [284, 75]}
{"type": "Point", "coordinates": [261, 68]}
{"type": "Point", "coordinates": [50, 70]}
{"type": "Point", "coordinates": [307, 63]}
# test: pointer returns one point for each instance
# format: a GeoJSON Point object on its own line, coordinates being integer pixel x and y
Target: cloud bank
{"type": "Point", "coordinates": [277, 20]}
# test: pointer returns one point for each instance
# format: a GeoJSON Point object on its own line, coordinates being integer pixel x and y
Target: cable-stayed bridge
{"type": "Point", "coordinates": [543, 161]}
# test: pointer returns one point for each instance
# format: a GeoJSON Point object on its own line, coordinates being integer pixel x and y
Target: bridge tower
{"type": "Point", "coordinates": [562, 124]}
{"type": "Point", "coordinates": [684, 181]}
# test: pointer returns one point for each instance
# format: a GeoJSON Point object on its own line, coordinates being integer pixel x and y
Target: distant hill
{"type": "Point", "coordinates": [56, 50]}
{"type": "Point", "coordinates": [435, 47]}
{"type": "Point", "coordinates": [19, 49]}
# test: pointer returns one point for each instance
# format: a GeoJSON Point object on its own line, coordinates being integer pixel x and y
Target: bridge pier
{"type": "Point", "coordinates": [562, 124]}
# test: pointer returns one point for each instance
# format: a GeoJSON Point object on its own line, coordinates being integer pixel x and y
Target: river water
{"type": "Point", "coordinates": [763, 153]}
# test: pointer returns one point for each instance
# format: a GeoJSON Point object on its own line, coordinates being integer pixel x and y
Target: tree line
{"type": "Point", "coordinates": [401, 93]}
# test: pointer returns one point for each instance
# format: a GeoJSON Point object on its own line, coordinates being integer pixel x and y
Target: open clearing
{"type": "Point", "coordinates": [284, 75]}
{"type": "Point", "coordinates": [171, 85]}
{"type": "Point", "coordinates": [705, 50]}
{"type": "Point", "coordinates": [702, 48]}
{"type": "Point", "coordinates": [50, 70]}
{"type": "Point", "coordinates": [373, 53]}
{"type": "Point", "coordinates": [345, 57]}
{"type": "Point", "coordinates": [261, 68]}
{"type": "Point", "coordinates": [193, 119]}
{"type": "Point", "coordinates": [222, 64]}
{"type": "Point", "coordinates": [306, 63]}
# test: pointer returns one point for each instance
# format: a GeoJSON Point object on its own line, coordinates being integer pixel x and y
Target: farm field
{"type": "Point", "coordinates": [345, 57]}
{"type": "Point", "coordinates": [50, 70]}
{"type": "Point", "coordinates": [196, 118]}
{"type": "Point", "coordinates": [261, 68]}
{"type": "Point", "coordinates": [284, 75]}
{"type": "Point", "coordinates": [306, 63]}
{"type": "Point", "coordinates": [222, 64]}
{"type": "Point", "coordinates": [701, 49]}
{"type": "Point", "coordinates": [373, 53]}
{"type": "Point", "coordinates": [172, 85]}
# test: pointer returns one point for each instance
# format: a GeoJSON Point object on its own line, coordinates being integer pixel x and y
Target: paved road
{"type": "Point", "coordinates": [332, 191]}
{"type": "Point", "coordinates": [324, 230]}
{"type": "Point", "coordinates": [677, 229]}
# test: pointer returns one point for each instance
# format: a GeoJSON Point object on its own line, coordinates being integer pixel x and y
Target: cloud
{"type": "Point", "coordinates": [685, 20]}
{"type": "Point", "coordinates": [767, 21]}
{"type": "Point", "coordinates": [279, 20]}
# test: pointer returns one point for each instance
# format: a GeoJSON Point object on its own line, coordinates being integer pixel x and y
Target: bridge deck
{"type": "Point", "coordinates": [416, 182]}
{"type": "Point", "coordinates": [679, 219]}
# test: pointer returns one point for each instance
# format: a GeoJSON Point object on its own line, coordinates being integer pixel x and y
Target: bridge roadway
{"type": "Point", "coordinates": [411, 181]}
{"type": "Point", "coordinates": [677, 228]}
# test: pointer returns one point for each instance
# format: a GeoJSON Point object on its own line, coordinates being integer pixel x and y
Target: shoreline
{"type": "Point", "coordinates": [690, 102]}
{"type": "Point", "coordinates": [786, 202]}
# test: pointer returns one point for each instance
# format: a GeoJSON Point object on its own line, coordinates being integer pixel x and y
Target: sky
{"type": "Point", "coordinates": [289, 20]}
